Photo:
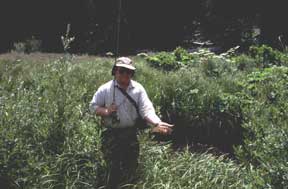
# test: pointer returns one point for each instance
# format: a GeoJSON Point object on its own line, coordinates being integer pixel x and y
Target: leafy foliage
{"type": "Point", "coordinates": [266, 123]}
{"type": "Point", "coordinates": [181, 58]}
{"type": "Point", "coordinates": [267, 56]}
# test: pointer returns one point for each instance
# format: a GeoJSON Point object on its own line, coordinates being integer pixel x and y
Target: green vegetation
{"type": "Point", "coordinates": [237, 103]}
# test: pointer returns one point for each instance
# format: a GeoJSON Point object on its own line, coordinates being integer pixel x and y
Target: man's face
{"type": "Point", "coordinates": [123, 75]}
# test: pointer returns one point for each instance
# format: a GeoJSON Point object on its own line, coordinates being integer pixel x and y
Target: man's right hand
{"type": "Point", "coordinates": [110, 109]}
{"type": "Point", "coordinates": [106, 111]}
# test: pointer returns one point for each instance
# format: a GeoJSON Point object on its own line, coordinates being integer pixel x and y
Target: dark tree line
{"type": "Point", "coordinates": [149, 24]}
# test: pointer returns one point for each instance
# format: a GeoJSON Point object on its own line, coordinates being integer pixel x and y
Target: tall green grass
{"type": "Point", "coordinates": [49, 139]}
{"type": "Point", "coordinates": [163, 168]}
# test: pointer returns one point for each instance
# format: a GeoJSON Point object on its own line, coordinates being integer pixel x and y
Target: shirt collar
{"type": "Point", "coordinates": [130, 86]}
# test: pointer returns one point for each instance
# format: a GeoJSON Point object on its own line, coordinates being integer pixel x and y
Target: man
{"type": "Point", "coordinates": [119, 114]}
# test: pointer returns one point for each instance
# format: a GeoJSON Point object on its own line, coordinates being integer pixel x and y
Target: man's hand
{"type": "Point", "coordinates": [163, 128]}
{"type": "Point", "coordinates": [164, 124]}
{"type": "Point", "coordinates": [110, 109]}
{"type": "Point", "coordinates": [106, 111]}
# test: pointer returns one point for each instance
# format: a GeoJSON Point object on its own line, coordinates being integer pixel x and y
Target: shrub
{"type": "Point", "coordinates": [267, 56]}
{"type": "Point", "coordinates": [182, 55]}
{"type": "Point", "coordinates": [165, 61]}
{"type": "Point", "coordinates": [266, 124]}
{"type": "Point", "coordinates": [246, 63]}
{"type": "Point", "coordinates": [203, 109]}
{"type": "Point", "coordinates": [181, 58]}
{"type": "Point", "coordinates": [28, 46]}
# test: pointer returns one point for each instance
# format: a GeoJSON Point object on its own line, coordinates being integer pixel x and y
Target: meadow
{"type": "Point", "coordinates": [229, 110]}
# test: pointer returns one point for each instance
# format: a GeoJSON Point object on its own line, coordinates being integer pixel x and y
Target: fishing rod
{"type": "Point", "coordinates": [117, 31]}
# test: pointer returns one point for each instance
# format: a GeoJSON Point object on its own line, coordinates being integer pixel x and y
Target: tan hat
{"type": "Point", "coordinates": [125, 62]}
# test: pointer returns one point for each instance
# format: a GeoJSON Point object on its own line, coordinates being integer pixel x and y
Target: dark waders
{"type": "Point", "coordinates": [120, 148]}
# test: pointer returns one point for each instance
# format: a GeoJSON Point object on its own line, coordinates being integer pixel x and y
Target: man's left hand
{"type": "Point", "coordinates": [163, 128]}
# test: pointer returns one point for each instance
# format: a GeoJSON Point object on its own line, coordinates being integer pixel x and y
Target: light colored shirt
{"type": "Point", "coordinates": [126, 111]}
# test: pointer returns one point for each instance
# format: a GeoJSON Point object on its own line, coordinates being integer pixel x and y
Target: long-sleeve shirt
{"type": "Point", "coordinates": [126, 111]}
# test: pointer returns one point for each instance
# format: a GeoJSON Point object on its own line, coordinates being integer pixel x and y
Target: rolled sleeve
{"type": "Point", "coordinates": [98, 100]}
{"type": "Point", "coordinates": [146, 108]}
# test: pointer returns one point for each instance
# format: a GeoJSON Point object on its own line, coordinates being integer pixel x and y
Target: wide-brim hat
{"type": "Point", "coordinates": [125, 62]}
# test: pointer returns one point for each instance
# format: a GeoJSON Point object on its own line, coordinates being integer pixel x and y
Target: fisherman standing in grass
{"type": "Point", "coordinates": [120, 103]}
